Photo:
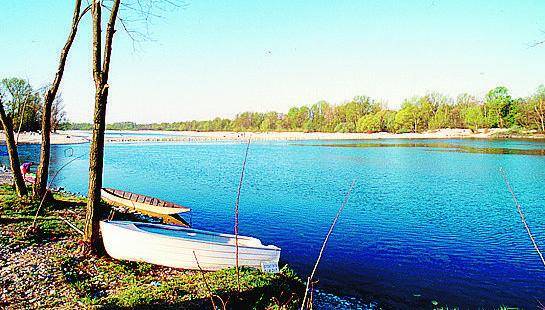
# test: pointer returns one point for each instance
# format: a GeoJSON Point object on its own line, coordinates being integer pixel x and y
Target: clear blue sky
{"type": "Point", "coordinates": [217, 58]}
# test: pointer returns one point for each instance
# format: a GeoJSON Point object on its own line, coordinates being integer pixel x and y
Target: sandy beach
{"type": "Point", "coordinates": [76, 136]}
{"type": "Point", "coordinates": [56, 138]}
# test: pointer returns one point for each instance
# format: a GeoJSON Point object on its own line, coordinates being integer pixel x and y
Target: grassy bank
{"type": "Point", "coordinates": [49, 268]}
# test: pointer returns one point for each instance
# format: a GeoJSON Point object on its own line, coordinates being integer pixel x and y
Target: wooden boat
{"type": "Point", "coordinates": [154, 207]}
{"type": "Point", "coordinates": [176, 247]}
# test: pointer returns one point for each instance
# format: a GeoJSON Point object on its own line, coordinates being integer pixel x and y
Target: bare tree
{"type": "Point", "coordinates": [7, 125]}
{"type": "Point", "coordinates": [58, 115]}
{"type": "Point", "coordinates": [40, 187]}
{"type": "Point", "coordinates": [101, 69]}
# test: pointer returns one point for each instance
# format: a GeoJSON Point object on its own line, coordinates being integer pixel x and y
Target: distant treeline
{"type": "Point", "coordinates": [362, 114]}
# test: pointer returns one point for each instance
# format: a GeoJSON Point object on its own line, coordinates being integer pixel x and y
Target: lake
{"type": "Point", "coordinates": [429, 220]}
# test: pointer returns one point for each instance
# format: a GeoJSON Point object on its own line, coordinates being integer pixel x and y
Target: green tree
{"type": "Point", "coordinates": [358, 107]}
{"type": "Point", "coordinates": [463, 101]}
{"type": "Point", "coordinates": [344, 127]}
{"type": "Point", "coordinates": [530, 112]}
{"type": "Point", "coordinates": [442, 118]}
{"type": "Point", "coordinates": [243, 122]}
{"type": "Point", "coordinates": [536, 109]}
{"type": "Point", "coordinates": [413, 115]}
{"type": "Point", "coordinates": [265, 125]}
{"type": "Point", "coordinates": [362, 114]}
{"type": "Point", "coordinates": [269, 122]}
{"type": "Point", "coordinates": [297, 117]}
{"type": "Point", "coordinates": [473, 116]}
{"type": "Point", "coordinates": [383, 120]}
{"type": "Point", "coordinates": [22, 104]}
{"type": "Point", "coordinates": [320, 115]}
{"type": "Point", "coordinates": [368, 123]}
{"type": "Point", "coordinates": [389, 120]}
{"type": "Point", "coordinates": [516, 116]}
{"type": "Point", "coordinates": [497, 105]}
{"type": "Point", "coordinates": [437, 110]}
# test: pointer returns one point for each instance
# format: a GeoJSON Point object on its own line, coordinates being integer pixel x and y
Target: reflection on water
{"type": "Point", "coordinates": [444, 147]}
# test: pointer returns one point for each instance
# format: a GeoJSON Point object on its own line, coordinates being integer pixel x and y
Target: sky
{"type": "Point", "coordinates": [218, 58]}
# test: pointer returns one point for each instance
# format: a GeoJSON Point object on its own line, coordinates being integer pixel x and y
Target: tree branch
{"type": "Point", "coordinates": [87, 8]}
{"type": "Point", "coordinates": [537, 43]}
{"type": "Point", "coordinates": [110, 30]}
{"type": "Point", "coordinates": [52, 92]}
{"type": "Point", "coordinates": [96, 10]}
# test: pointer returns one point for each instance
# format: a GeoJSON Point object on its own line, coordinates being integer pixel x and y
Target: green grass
{"type": "Point", "coordinates": [17, 215]}
{"type": "Point", "coordinates": [128, 284]}
{"type": "Point", "coordinates": [258, 290]}
{"type": "Point", "coordinates": [89, 280]}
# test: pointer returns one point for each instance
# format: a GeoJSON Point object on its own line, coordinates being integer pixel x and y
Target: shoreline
{"type": "Point", "coordinates": [80, 136]}
{"type": "Point", "coordinates": [48, 268]}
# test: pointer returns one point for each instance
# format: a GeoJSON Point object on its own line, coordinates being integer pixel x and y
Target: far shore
{"type": "Point", "coordinates": [77, 136]}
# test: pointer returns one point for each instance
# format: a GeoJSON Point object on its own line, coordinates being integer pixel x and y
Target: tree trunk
{"type": "Point", "coordinates": [96, 155]}
{"type": "Point", "coordinates": [40, 186]}
{"type": "Point", "coordinates": [541, 114]}
{"type": "Point", "coordinates": [20, 186]}
{"type": "Point", "coordinates": [96, 164]}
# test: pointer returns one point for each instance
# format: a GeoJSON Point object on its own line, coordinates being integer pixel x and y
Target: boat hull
{"type": "Point", "coordinates": [177, 247]}
{"type": "Point", "coordinates": [144, 205]}
{"type": "Point", "coordinates": [150, 206]}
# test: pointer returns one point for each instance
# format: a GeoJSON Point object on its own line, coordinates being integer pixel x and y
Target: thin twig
{"type": "Point", "coordinates": [71, 225]}
{"type": "Point", "coordinates": [205, 282]}
{"type": "Point", "coordinates": [309, 279]}
{"type": "Point", "coordinates": [22, 116]}
{"type": "Point", "coordinates": [522, 217]}
{"type": "Point", "coordinates": [284, 305]}
{"type": "Point", "coordinates": [46, 218]}
{"type": "Point", "coordinates": [236, 212]}
{"type": "Point", "coordinates": [48, 186]}
{"type": "Point", "coordinates": [536, 44]}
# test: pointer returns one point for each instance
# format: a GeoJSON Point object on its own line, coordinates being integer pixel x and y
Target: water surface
{"type": "Point", "coordinates": [428, 220]}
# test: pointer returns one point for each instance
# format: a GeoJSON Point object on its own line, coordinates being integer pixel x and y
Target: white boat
{"type": "Point", "coordinates": [175, 246]}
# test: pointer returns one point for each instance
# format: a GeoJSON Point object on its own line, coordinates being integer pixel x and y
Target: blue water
{"type": "Point", "coordinates": [428, 220]}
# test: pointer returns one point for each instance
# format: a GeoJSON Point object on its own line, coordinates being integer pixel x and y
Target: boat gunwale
{"type": "Point", "coordinates": [111, 191]}
{"type": "Point", "coordinates": [126, 225]}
